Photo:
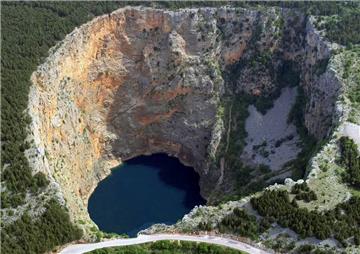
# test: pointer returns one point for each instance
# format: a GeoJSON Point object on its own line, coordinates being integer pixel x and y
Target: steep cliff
{"type": "Point", "coordinates": [141, 81]}
{"type": "Point", "coordinates": [321, 85]}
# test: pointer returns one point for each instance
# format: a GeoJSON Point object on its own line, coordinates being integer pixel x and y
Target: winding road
{"type": "Point", "coordinates": [83, 248]}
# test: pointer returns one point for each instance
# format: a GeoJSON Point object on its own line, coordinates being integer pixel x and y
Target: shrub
{"type": "Point", "coordinates": [342, 222]}
{"type": "Point", "coordinates": [350, 159]}
{"type": "Point", "coordinates": [240, 223]}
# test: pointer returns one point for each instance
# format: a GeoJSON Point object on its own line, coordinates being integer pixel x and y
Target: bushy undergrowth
{"type": "Point", "coordinates": [39, 235]}
{"type": "Point", "coordinates": [343, 222]}
{"type": "Point", "coordinates": [303, 192]}
{"type": "Point", "coordinates": [167, 247]}
{"type": "Point", "coordinates": [350, 159]}
{"type": "Point", "coordinates": [241, 223]}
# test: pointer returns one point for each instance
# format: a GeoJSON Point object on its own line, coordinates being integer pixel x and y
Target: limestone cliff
{"type": "Point", "coordinates": [141, 81]}
{"type": "Point", "coordinates": [322, 86]}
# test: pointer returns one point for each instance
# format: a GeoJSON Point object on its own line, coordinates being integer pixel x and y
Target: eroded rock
{"type": "Point", "coordinates": [142, 80]}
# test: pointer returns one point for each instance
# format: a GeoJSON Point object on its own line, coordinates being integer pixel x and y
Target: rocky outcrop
{"type": "Point", "coordinates": [141, 81]}
{"type": "Point", "coordinates": [321, 84]}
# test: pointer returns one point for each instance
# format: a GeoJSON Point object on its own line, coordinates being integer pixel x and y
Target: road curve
{"type": "Point", "coordinates": [83, 248]}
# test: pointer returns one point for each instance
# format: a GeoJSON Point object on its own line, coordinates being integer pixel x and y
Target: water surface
{"type": "Point", "coordinates": [144, 191]}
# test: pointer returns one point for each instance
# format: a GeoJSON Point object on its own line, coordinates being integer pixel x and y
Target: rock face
{"type": "Point", "coordinates": [141, 81]}
{"type": "Point", "coordinates": [321, 84]}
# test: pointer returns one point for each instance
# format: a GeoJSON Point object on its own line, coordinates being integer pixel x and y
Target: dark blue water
{"type": "Point", "coordinates": [144, 191]}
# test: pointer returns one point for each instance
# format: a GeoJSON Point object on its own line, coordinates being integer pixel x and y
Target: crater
{"type": "Point", "coordinates": [143, 81]}
{"type": "Point", "coordinates": [144, 191]}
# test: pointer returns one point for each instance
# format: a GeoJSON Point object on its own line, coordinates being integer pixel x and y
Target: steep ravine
{"type": "Point", "coordinates": [141, 81]}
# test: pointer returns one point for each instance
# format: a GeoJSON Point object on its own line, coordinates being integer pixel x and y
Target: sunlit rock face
{"type": "Point", "coordinates": [142, 80]}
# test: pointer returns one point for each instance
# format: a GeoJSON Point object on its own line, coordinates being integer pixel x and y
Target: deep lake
{"type": "Point", "coordinates": [144, 191]}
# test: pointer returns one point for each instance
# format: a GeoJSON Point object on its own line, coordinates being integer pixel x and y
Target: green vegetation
{"type": "Point", "coordinates": [351, 54]}
{"type": "Point", "coordinates": [282, 243]}
{"type": "Point", "coordinates": [351, 75]}
{"type": "Point", "coordinates": [242, 224]}
{"type": "Point", "coordinates": [239, 223]}
{"type": "Point", "coordinates": [306, 249]}
{"type": "Point", "coordinates": [167, 247]}
{"type": "Point", "coordinates": [27, 235]}
{"type": "Point", "coordinates": [303, 192]}
{"type": "Point", "coordinates": [350, 159]}
{"type": "Point", "coordinates": [234, 116]}
{"type": "Point", "coordinates": [174, 5]}
{"type": "Point", "coordinates": [343, 222]}
{"type": "Point", "coordinates": [342, 27]}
